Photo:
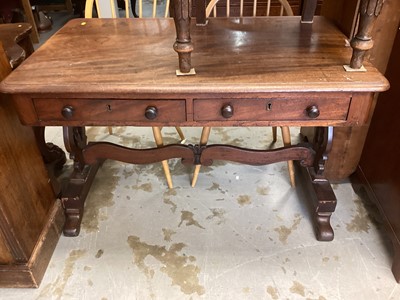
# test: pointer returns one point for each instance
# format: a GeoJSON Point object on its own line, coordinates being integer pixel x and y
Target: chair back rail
{"type": "Point", "coordinates": [111, 9]}
{"type": "Point", "coordinates": [259, 8]}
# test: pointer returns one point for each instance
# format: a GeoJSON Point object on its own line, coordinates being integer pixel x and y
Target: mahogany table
{"type": "Point", "coordinates": [272, 71]}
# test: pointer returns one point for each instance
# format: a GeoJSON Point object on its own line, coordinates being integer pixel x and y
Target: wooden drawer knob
{"type": "Point", "coordinates": [67, 112]}
{"type": "Point", "coordinates": [312, 111]}
{"type": "Point", "coordinates": [151, 112]}
{"type": "Point", "coordinates": [227, 111]}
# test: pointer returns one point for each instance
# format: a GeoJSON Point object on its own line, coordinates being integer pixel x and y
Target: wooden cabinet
{"type": "Point", "coordinates": [30, 216]}
{"type": "Point", "coordinates": [378, 173]}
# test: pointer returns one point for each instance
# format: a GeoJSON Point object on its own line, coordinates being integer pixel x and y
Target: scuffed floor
{"type": "Point", "coordinates": [241, 233]}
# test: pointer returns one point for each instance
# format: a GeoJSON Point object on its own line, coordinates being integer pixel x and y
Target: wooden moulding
{"type": "Point", "coordinates": [30, 274]}
{"type": "Point", "coordinates": [364, 190]}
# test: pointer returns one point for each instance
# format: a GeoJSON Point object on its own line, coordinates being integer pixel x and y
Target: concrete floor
{"type": "Point", "coordinates": [241, 233]}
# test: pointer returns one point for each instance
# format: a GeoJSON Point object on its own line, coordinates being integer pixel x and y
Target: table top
{"type": "Point", "coordinates": [275, 54]}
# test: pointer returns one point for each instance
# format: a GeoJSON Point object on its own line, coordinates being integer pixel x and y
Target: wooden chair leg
{"type": "Point", "coordinates": [110, 130]}
{"type": "Point", "coordinates": [287, 142]}
{"type": "Point", "coordinates": [274, 134]}
{"type": "Point", "coordinates": [203, 141]}
{"type": "Point", "coordinates": [159, 143]}
{"type": "Point", "coordinates": [181, 135]}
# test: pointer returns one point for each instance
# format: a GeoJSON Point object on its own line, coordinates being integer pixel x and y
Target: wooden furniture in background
{"type": "Point", "coordinates": [30, 217]}
{"type": "Point", "coordinates": [378, 172]}
{"type": "Point", "coordinates": [57, 5]}
{"type": "Point", "coordinates": [27, 7]}
{"type": "Point", "coordinates": [247, 6]}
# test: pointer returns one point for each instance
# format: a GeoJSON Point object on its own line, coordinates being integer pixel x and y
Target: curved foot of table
{"type": "Point", "coordinates": [323, 201]}
{"type": "Point", "coordinates": [74, 196]}
{"type": "Point", "coordinates": [324, 229]}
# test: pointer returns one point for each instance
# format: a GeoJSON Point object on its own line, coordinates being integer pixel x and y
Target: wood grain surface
{"type": "Point", "coordinates": [99, 56]}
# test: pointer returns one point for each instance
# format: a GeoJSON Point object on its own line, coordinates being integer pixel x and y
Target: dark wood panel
{"type": "Point", "coordinates": [26, 198]}
{"type": "Point", "coordinates": [5, 253]}
{"type": "Point", "coordinates": [30, 274]}
{"type": "Point", "coordinates": [348, 142]}
{"type": "Point", "coordinates": [343, 13]}
{"type": "Point", "coordinates": [380, 161]}
{"type": "Point", "coordinates": [27, 201]}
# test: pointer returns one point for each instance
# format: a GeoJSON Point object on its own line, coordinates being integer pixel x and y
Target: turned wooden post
{"type": "Point", "coordinates": [307, 15]}
{"type": "Point", "coordinates": [183, 45]}
{"type": "Point", "coordinates": [369, 11]}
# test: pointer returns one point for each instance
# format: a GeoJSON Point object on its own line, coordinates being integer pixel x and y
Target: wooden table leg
{"type": "Point", "coordinates": [88, 157]}
{"type": "Point", "coordinates": [75, 193]}
{"type": "Point", "coordinates": [74, 196]}
{"type": "Point", "coordinates": [312, 158]}
{"type": "Point", "coordinates": [321, 193]}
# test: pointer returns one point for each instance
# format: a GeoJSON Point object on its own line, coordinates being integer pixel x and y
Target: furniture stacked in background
{"type": "Point", "coordinates": [28, 11]}
{"type": "Point", "coordinates": [30, 217]}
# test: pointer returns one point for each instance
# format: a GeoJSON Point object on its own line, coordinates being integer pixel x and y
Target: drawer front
{"type": "Point", "coordinates": [271, 109]}
{"type": "Point", "coordinates": [99, 110]}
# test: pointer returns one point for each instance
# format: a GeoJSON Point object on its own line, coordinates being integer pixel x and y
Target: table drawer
{"type": "Point", "coordinates": [271, 109]}
{"type": "Point", "coordinates": [99, 110]}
